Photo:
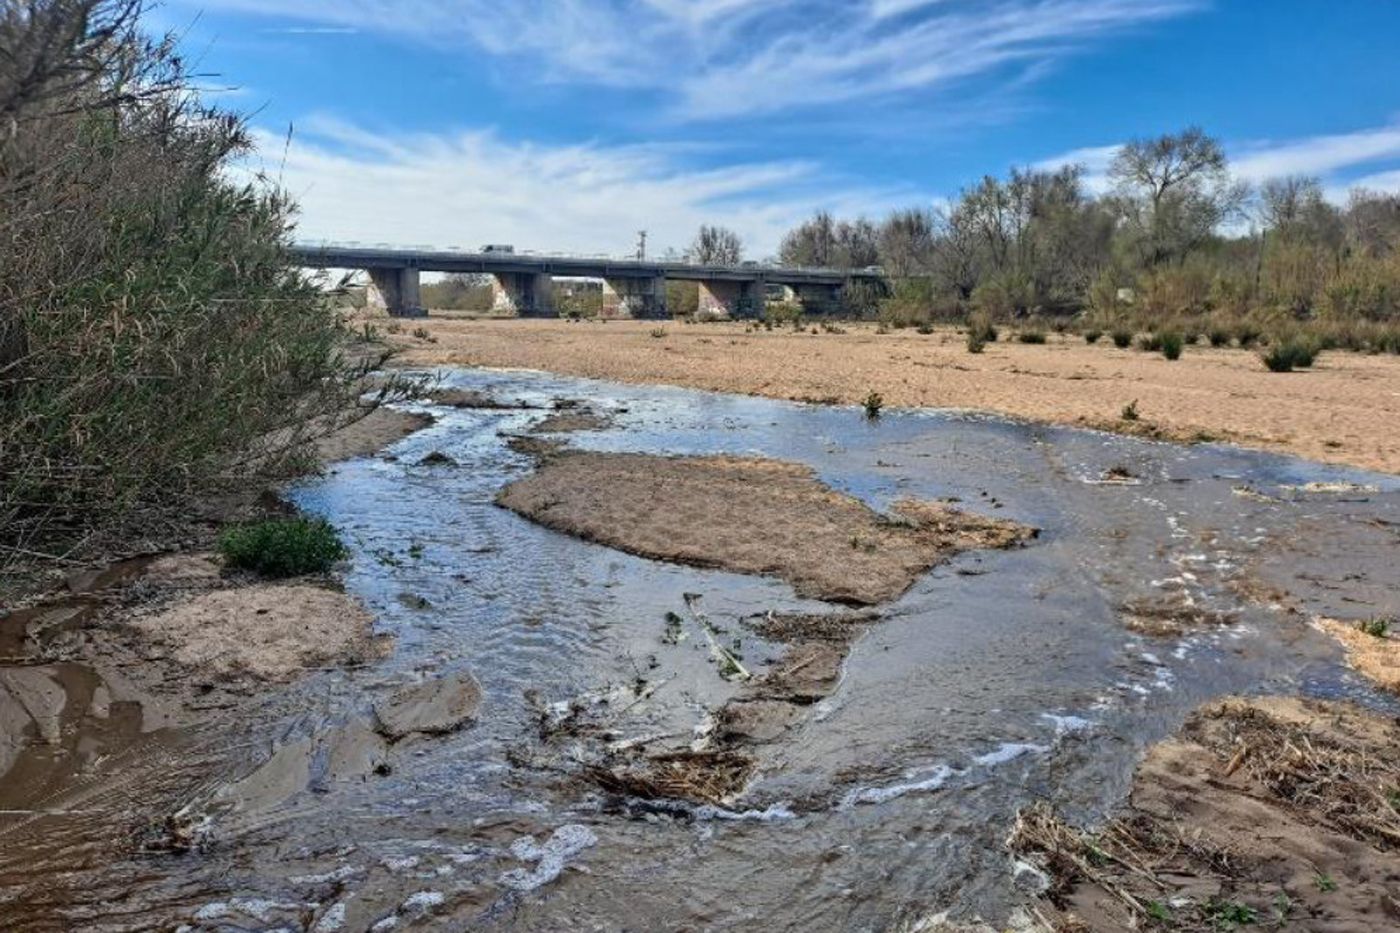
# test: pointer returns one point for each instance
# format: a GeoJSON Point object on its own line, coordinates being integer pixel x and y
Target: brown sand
{"type": "Point", "coordinates": [271, 631]}
{"type": "Point", "coordinates": [750, 516]}
{"type": "Point", "coordinates": [1375, 656]}
{"type": "Point", "coordinates": [1277, 807]}
{"type": "Point", "coordinates": [1345, 410]}
{"type": "Point", "coordinates": [370, 434]}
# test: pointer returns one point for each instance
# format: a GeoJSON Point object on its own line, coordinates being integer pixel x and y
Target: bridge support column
{"type": "Point", "coordinates": [395, 291]}
{"type": "Point", "coordinates": [528, 294]}
{"type": "Point", "coordinates": [635, 298]}
{"type": "Point", "coordinates": [722, 298]}
{"type": "Point", "coordinates": [818, 299]}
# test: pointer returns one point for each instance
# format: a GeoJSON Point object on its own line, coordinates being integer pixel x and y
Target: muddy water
{"type": "Point", "coordinates": [999, 678]}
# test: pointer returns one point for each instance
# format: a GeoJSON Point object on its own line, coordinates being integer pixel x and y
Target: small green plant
{"type": "Point", "coordinates": [1376, 626]}
{"type": "Point", "coordinates": [283, 547]}
{"type": "Point", "coordinates": [1159, 911]}
{"type": "Point", "coordinates": [1325, 883]}
{"type": "Point", "coordinates": [1031, 335]}
{"type": "Point", "coordinates": [1218, 337]}
{"type": "Point", "coordinates": [873, 403]}
{"type": "Point", "coordinates": [658, 332]}
{"type": "Point", "coordinates": [422, 333]}
{"type": "Point", "coordinates": [1170, 343]}
{"type": "Point", "coordinates": [1092, 335]}
{"type": "Point", "coordinates": [1130, 411]}
{"type": "Point", "coordinates": [975, 343]}
{"type": "Point", "coordinates": [924, 329]}
{"type": "Point", "coordinates": [1227, 915]}
{"type": "Point", "coordinates": [1121, 338]}
{"type": "Point", "coordinates": [1288, 354]}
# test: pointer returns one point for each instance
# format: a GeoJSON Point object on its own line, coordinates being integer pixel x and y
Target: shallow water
{"type": "Point", "coordinates": [998, 679]}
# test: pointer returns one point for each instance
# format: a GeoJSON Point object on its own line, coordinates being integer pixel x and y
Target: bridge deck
{"type": "Point", "coordinates": [355, 257]}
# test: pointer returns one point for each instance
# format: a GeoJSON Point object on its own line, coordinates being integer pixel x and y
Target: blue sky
{"type": "Point", "coordinates": [571, 124]}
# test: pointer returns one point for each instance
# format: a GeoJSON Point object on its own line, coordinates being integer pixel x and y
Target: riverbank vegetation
{"type": "Point", "coordinates": [155, 343]}
{"type": "Point", "coordinates": [1168, 243]}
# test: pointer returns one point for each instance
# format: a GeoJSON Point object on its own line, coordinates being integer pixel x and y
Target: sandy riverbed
{"type": "Point", "coordinates": [1346, 410]}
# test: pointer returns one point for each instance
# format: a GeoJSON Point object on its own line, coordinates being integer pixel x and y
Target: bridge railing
{"type": "Point", "coordinates": [353, 245]}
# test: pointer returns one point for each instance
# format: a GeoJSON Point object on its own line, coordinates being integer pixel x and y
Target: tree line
{"type": "Point", "coordinates": [1174, 234]}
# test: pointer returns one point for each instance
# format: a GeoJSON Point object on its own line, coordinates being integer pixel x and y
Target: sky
{"type": "Point", "coordinates": [570, 125]}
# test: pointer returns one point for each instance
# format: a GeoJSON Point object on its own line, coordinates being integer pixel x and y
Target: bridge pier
{"type": "Point", "coordinates": [395, 291]}
{"type": "Point", "coordinates": [723, 298]}
{"type": "Point", "coordinates": [635, 298]}
{"type": "Point", "coordinates": [528, 294]}
{"type": "Point", "coordinates": [817, 299]}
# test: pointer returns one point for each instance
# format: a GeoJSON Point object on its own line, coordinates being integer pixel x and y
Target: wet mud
{"type": "Point", "coordinates": [653, 744]}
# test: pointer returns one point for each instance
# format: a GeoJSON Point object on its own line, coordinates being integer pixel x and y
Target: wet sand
{"type": "Point", "coordinates": [751, 515]}
{"type": "Point", "coordinates": [1345, 410]}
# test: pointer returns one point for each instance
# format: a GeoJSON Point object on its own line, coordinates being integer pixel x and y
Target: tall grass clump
{"type": "Point", "coordinates": [155, 341]}
{"type": "Point", "coordinates": [283, 547]}
{"type": "Point", "coordinates": [1170, 343]}
{"type": "Point", "coordinates": [1288, 353]}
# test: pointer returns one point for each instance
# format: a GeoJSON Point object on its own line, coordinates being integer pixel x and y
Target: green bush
{"type": "Point", "coordinates": [1092, 335]}
{"type": "Point", "coordinates": [1122, 338]}
{"type": "Point", "coordinates": [1149, 343]}
{"type": "Point", "coordinates": [283, 547]}
{"type": "Point", "coordinates": [1287, 354]}
{"type": "Point", "coordinates": [1218, 336]}
{"type": "Point", "coordinates": [1032, 335]}
{"type": "Point", "coordinates": [980, 325]}
{"type": "Point", "coordinates": [1170, 343]}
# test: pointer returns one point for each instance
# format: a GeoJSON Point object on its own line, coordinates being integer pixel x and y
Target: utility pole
{"type": "Point", "coordinates": [641, 244]}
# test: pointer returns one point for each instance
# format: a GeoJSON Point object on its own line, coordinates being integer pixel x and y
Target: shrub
{"type": "Point", "coordinates": [1092, 335]}
{"type": "Point", "coordinates": [1218, 336]}
{"type": "Point", "coordinates": [283, 547]}
{"type": "Point", "coordinates": [1149, 343]}
{"type": "Point", "coordinates": [981, 326]}
{"type": "Point", "coordinates": [924, 329]}
{"type": "Point", "coordinates": [1170, 343]}
{"type": "Point", "coordinates": [1130, 411]}
{"type": "Point", "coordinates": [155, 339]}
{"type": "Point", "coordinates": [975, 344]}
{"type": "Point", "coordinates": [1121, 338]}
{"type": "Point", "coordinates": [1287, 354]}
{"type": "Point", "coordinates": [873, 403]}
{"type": "Point", "coordinates": [1031, 335]}
{"type": "Point", "coordinates": [1247, 334]}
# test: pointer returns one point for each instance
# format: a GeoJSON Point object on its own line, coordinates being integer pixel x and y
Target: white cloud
{"type": "Point", "coordinates": [470, 188]}
{"type": "Point", "coordinates": [1334, 158]}
{"type": "Point", "coordinates": [731, 58]}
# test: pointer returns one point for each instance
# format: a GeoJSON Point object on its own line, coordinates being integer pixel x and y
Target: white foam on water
{"type": "Point", "coordinates": [1009, 751]}
{"type": "Point", "coordinates": [1067, 724]}
{"type": "Point", "coordinates": [563, 844]}
{"type": "Point", "coordinates": [934, 779]}
{"type": "Point", "coordinates": [771, 814]}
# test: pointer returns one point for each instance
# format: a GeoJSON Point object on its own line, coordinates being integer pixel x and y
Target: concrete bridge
{"type": "Point", "coordinates": [521, 282]}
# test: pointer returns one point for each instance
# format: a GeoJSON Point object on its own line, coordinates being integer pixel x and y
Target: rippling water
{"type": "Point", "coordinates": [998, 679]}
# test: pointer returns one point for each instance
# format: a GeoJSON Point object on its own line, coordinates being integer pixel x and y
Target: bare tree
{"type": "Point", "coordinates": [716, 246]}
{"type": "Point", "coordinates": [1173, 192]}
{"type": "Point", "coordinates": [907, 241]}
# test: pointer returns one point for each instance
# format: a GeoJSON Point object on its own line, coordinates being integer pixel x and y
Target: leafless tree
{"type": "Point", "coordinates": [716, 246]}
{"type": "Point", "coordinates": [1174, 191]}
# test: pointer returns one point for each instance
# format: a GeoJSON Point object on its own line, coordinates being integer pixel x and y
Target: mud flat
{"type": "Point", "coordinates": [1279, 811]}
{"type": "Point", "coordinates": [1342, 411]}
{"type": "Point", "coordinates": [751, 515]}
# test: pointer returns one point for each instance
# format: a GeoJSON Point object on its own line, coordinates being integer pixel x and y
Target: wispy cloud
{"type": "Point", "coordinates": [1336, 158]}
{"type": "Point", "coordinates": [734, 58]}
{"type": "Point", "coordinates": [474, 187]}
